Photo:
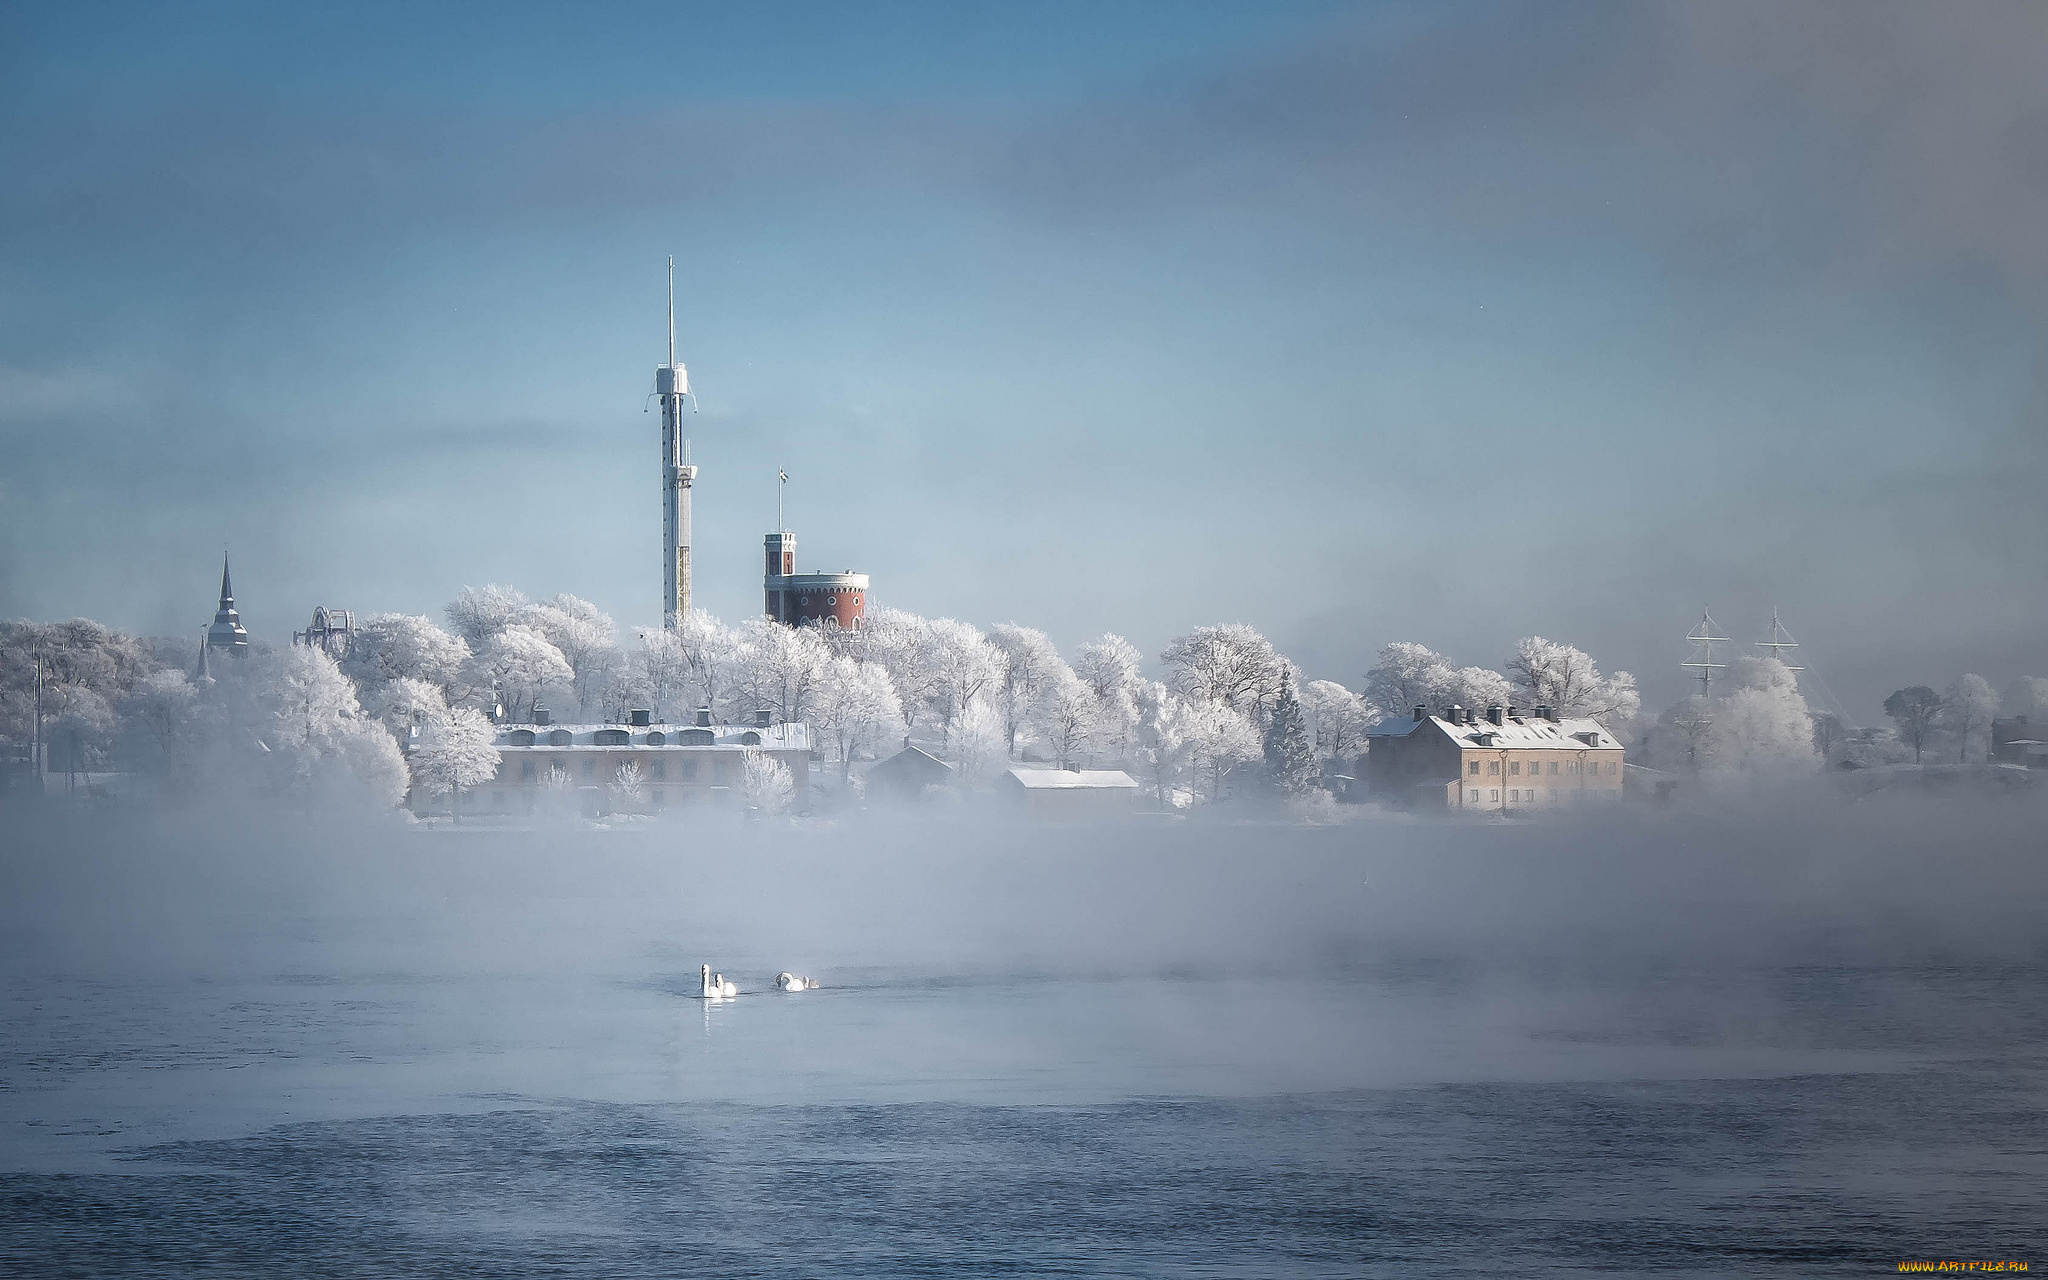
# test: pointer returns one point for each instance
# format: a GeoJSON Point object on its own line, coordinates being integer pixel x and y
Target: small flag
{"type": "Point", "coordinates": [782, 475]}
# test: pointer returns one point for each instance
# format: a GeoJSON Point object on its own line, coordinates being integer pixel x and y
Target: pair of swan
{"type": "Point", "coordinates": [713, 986]}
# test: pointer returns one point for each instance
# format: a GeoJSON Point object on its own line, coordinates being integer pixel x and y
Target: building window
{"type": "Point", "coordinates": [1553, 791]}
{"type": "Point", "coordinates": [526, 771]}
{"type": "Point", "coordinates": [1514, 768]}
{"type": "Point", "coordinates": [657, 797]}
{"type": "Point", "coordinates": [1553, 773]}
{"type": "Point", "coordinates": [658, 770]}
{"type": "Point", "coordinates": [1493, 767]}
{"type": "Point", "coordinates": [1494, 795]}
{"type": "Point", "coordinates": [750, 739]}
{"type": "Point", "coordinates": [1474, 793]}
{"type": "Point", "coordinates": [589, 768]}
{"type": "Point", "coordinates": [689, 769]}
{"type": "Point", "coordinates": [1610, 768]}
{"type": "Point", "coordinates": [1475, 773]}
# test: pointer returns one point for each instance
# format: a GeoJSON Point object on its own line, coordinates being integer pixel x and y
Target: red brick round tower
{"type": "Point", "coordinates": [794, 598]}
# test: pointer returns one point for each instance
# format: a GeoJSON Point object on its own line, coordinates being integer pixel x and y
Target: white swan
{"type": "Point", "coordinates": [713, 986]}
{"type": "Point", "coordinates": [790, 982]}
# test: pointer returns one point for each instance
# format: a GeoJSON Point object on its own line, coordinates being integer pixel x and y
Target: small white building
{"type": "Point", "coordinates": [1501, 762]}
{"type": "Point", "coordinates": [1071, 792]}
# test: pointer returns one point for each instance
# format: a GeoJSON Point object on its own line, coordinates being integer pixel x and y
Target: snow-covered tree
{"type": "Point", "coordinates": [1763, 727]}
{"type": "Point", "coordinates": [856, 709]}
{"type": "Point", "coordinates": [399, 704]}
{"type": "Point", "coordinates": [978, 745]}
{"type": "Point", "coordinates": [901, 643]}
{"type": "Point", "coordinates": [1224, 740]}
{"type": "Point", "coordinates": [404, 646]}
{"type": "Point", "coordinates": [1109, 665]}
{"type": "Point", "coordinates": [964, 665]}
{"type": "Point", "coordinates": [1565, 679]}
{"type": "Point", "coordinates": [1069, 716]}
{"type": "Point", "coordinates": [582, 633]}
{"type": "Point", "coordinates": [1967, 709]}
{"type": "Point", "coordinates": [164, 709]}
{"type": "Point", "coordinates": [1916, 712]}
{"type": "Point", "coordinates": [1167, 739]}
{"type": "Point", "coordinates": [1681, 740]}
{"type": "Point", "coordinates": [765, 782]}
{"type": "Point", "coordinates": [1290, 760]}
{"type": "Point", "coordinates": [522, 664]}
{"type": "Point", "coordinates": [711, 652]}
{"type": "Point", "coordinates": [1408, 675]}
{"type": "Point", "coordinates": [664, 670]}
{"type": "Point", "coordinates": [480, 613]}
{"type": "Point", "coordinates": [1337, 718]}
{"type": "Point", "coordinates": [1030, 667]}
{"type": "Point", "coordinates": [1232, 664]}
{"type": "Point", "coordinates": [629, 787]}
{"type": "Point", "coordinates": [455, 751]}
{"type": "Point", "coordinates": [778, 668]}
{"type": "Point", "coordinates": [1479, 688]}
{"type": "Point", "coordinates": [319, 741]}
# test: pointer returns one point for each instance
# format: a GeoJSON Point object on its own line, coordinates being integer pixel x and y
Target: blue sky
{"type": "Point", "coordinates": [1451, 323]}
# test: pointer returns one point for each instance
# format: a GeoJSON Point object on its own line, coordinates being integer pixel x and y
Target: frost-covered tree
{"type": "Point", "coordinates": [978, 740]}
{"type": "Point", "coordinates": [480, 613]}
{"type": "Point", "coordinates": [901, 642]}
{"type": "Point", "coordinates": [1915, 712]}
{"type": "Point", "coordinates": [319, 741]}
{"type": "Point", "coordinates": [1565, 679]}
{"type": "Point", "coordinates": [1224, 740]}
{"type": "Point", "coordinates": [522, 664]}
{"type": "Point", "coordinates": [1406, 675]}
{"type": "Point", "coordinates": [582, 633]}
{"type": "Point", "coordinates": [629, 787]}
{"type": "Point", "coordinates": [711, 652]}
{"type": "Point", "coordinates": [1479, 687]}
{"type": "Point", "coordinates": [1168, 739]}
{"type": "Point", "coordinates": [766, 783]}
{"type": "Point", "coordinates": [402, 703]}
{"type": "Point", "coordinates": [778, 668]}
{"type": "Point", "coordinates": [1290, 760]}
{"type": "Point", "coordinates": [455, 751]}
{"type": "Point", "coordinates": [164, 712]}
{"type": "Point", "coordinates": [964, 665]}
{"type": "Point", "coordinates": [1337, 718]}
{"type": "Point", "coordinates": [1681, 740]}
{"type": "Point", "coordinates": [1069, 715]}
{"type": "Point", "coordinates": [1030, 668]}
{"type": "Point", "coordinates": [1110, 666]}
{"type": "Point", "coordinates": [1231, 664]}
{"type": "Point", "coordinates": [1967, 709]}
{"type": "Point", "coordinates": [664, 670]}
{"type": "Point", "coordinates": [1763, 727]}
{"type": "Point", "coordinates": [405, 646]}
{"type": "Point", "coordinates": [856, 709]}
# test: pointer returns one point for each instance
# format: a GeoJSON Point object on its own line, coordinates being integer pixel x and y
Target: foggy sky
{"type": "Point", "coordinates": [1358, 323]}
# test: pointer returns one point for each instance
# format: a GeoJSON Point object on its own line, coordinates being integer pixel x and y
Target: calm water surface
{"type": "Point", "coordinates": [519, 1082]}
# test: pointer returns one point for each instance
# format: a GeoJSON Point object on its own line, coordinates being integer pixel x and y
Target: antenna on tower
{"type": "Point", "coordinates": [1702, 660]}
{"type": "Point", "coordinates": [1779, 640]}
{"type": "Point", "coordinates": [671, 311]}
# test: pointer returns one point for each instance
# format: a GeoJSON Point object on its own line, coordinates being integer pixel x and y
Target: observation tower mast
{"type": "Point", "coordinates": [672, 384]}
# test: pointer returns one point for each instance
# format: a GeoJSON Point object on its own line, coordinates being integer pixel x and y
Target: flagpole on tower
{"type": "Point", "coordinates": [781, 479]}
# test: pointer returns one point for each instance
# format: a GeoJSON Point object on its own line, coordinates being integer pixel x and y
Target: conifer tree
{"type": "Point", "coordinates": [1290, 761]}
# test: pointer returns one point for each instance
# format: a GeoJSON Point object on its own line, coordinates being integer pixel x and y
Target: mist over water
{"type": "Point", "coordinates": [1807, 1038]}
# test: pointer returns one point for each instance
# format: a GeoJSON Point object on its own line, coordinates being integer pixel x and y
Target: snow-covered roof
{"type": "Point", "coordinates": [1073, 779]}
{"type": "Point", "coordinates": [1518, 733]}
{"type": "Point", "coordinates": [792, 736]}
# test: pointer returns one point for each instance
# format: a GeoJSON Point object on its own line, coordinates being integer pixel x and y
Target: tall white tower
{"type": "Point", "coordinates": [672, 383]}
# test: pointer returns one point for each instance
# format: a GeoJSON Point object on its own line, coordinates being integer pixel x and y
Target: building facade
{"type": "Point", "coordinates": [1071, 793]}
{"type": "Point", "coordinates": [679, 765]}
{"type": "Point", "coordinates": [2014, 741]}
{"type": "Point", "coordinates": [1499, 762]}
{"type": "Point", "coordinates": [794, 599]}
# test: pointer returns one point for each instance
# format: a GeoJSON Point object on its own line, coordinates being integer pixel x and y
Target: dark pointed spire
{"type": "Point", "coordinates": [227, 631]}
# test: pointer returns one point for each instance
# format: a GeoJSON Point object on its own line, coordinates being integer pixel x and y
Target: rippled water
{"type": "Point", "coordinates": [446, 1062]}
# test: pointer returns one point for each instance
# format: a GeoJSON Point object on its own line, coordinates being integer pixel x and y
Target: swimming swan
{"type": "Point", "coordinates": [790, 982]}
{"type": "Point", "coordinates": [713, 986]}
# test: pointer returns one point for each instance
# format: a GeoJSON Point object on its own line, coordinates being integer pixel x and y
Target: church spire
{"type": "Point", "coordinates": [227, 631]}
